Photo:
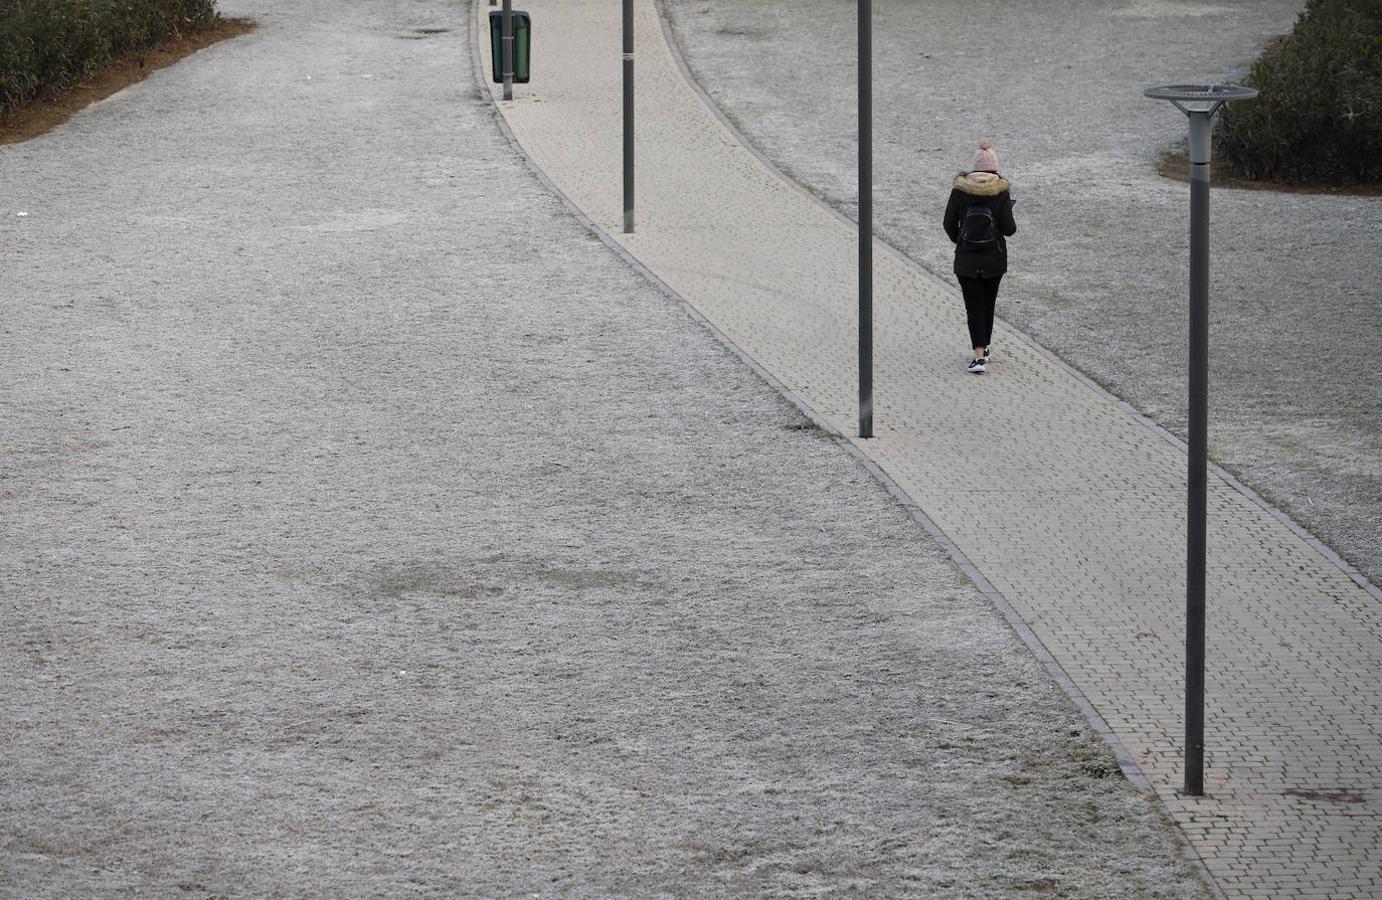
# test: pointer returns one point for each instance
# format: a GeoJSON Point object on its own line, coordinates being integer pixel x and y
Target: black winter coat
{"type": "Point", "coordinates": [992, 191]}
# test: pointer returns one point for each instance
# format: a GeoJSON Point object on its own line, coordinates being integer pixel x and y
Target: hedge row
{"type": "Point", "coordinates": [57, 42]}
{"type": "Point", "coordinates": [1318, 116]}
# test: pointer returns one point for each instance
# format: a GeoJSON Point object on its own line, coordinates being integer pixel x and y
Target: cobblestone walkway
{"type": "Point", "coordinates": [1070, 505]}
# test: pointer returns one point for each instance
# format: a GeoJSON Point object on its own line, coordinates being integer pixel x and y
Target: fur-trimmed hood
{"type": "Point", "coordinates": [981, 184]}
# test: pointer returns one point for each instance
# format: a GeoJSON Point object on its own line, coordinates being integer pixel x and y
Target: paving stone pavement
{"type": "Point", "coordinates": [1070, 505]}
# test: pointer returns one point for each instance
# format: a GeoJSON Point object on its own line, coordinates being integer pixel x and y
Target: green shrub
{"type": "Point", "coordinates": [1319, 114]}
{"type": "Point", "coordinates": [55, 43]}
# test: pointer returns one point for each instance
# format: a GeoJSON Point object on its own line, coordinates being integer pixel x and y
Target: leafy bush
{"type": "Point", "coordinates": [55, 43]}
{"type": "Point", "coordinates": [1319, 114]}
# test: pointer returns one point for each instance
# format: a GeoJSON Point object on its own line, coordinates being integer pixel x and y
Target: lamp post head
{"type": "Point", "coordinates": [1200, 102]}
{"type": "Point", "coordinates": [1200, 98]}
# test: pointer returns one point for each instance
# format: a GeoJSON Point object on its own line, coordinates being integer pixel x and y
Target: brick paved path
{"type": "Point", "coordinates": [1065, 501]}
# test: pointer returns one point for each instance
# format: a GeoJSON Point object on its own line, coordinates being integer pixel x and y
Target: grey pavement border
{"type": "Point", "coordinates": [1342, 564]}
{"type": "Point", "coordinates": [1126, 763]}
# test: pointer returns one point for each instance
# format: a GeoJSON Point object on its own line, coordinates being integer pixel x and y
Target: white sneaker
{"type": "Point", "coordinates": [976, 366]}
{"type": "Point", "coordinates": [987, 351]}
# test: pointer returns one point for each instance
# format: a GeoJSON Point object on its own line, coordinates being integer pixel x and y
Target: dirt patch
{"type": "Point", "coordinates": [1176, 165]}
{"type": "Point", "coordinates": [55, 106]}
{"type": "Point", "coordinates": [1327, 796]}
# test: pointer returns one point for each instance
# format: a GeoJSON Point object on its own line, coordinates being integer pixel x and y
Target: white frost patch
{"type": "Point", "coordinates": [1168, 9]}
{"type": "Point", "coordinates": [363, 220]}
{"type": "Point", "coordinates": [1092, 168]}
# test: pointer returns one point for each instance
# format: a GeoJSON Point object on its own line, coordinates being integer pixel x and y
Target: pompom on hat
{"type": "Point", "coordinates": [986, 160]}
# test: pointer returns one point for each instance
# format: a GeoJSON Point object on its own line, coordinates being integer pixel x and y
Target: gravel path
{"type": "Point", "coordinates": [367, 527]}
{"type": "Point", "coordinates": [1099, 264]}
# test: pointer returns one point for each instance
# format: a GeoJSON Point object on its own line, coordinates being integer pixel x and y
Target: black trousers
{"type": "Point", "coordinates": [980, 295]}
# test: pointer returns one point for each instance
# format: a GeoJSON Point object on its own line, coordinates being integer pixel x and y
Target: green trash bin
{"type": "Point", "coordinates": [522, 42]}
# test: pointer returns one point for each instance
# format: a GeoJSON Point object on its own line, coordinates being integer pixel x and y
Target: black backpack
{"type": "Point", "coordinates": [978, 230]}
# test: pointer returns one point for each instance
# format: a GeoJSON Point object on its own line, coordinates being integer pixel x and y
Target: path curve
{"type": "Point", "coordinates": [1070, 505]}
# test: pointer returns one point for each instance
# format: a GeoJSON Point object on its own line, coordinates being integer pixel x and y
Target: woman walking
{"type": "Point", "coordinates": [979, 219]}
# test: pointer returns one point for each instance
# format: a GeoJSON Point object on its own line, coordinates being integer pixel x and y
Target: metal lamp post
{"type": "Point", "coordinates": [865, 219]}
{"type": "Point", "coordinates": [628, 116]}
{"type": "Point", "coordinates": [1200, 102]}
{"type": "Point", "coordinates": [507, 52]}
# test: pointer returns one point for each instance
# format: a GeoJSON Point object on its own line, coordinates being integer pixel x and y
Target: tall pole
{"type": "Point", "coordinates": [628, 116]}
{"type": "Point", "coordinates": [1196, 501]}
{"type": "Point", "coordinates": [507, 44]}
{"type": "Point", "coordinates": [865, 218]}
{"type": "Point", "coordinates": [1199, 102]}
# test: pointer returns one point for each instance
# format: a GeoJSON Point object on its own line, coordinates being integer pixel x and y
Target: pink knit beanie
{"type": "Point", "coordinates": [986, 160]}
